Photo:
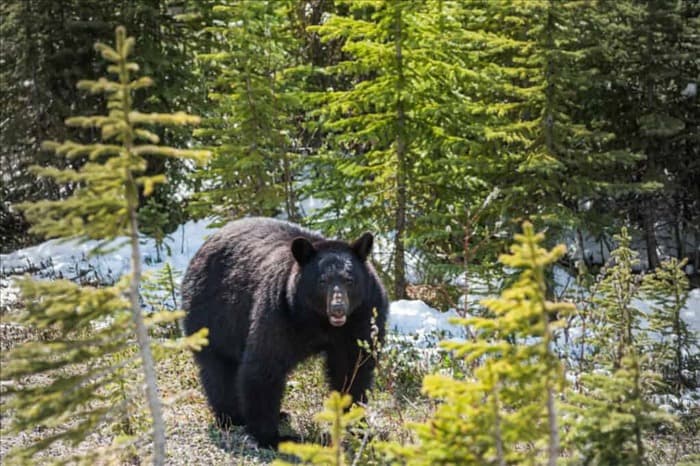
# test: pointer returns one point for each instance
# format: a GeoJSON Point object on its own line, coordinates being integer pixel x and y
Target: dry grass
{"type": "Point", "coordinates": [193, 439]}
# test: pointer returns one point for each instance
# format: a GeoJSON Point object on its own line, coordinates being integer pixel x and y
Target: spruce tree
{"type": "Point", "coordinates": [95, 328]}
{"type": "Point", "coordinates": [673, 344]}
{"type": "Point", "coordinates": [648, 62]}
{"type": "Point", "coordinates": [37, 93]}
{"type": "Point", "coordinates": [533, 64]}
{"type": "Point", "coordinates": [612, 413]}
{"type": "Point", "coordinates": [339, 416]}
{"type": "Point", "coordinates": [47, 42]}
{"type": "Point", "coordinates": [160, 292]}
{"type": "Point", "coordinates": [390, 162]}
{"type": "Point", "coordinates": [250, 132]}
{"type": "Point", "coordinates": [507, 413]}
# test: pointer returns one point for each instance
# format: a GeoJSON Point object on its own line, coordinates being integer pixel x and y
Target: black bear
{"type": "Point", "coordinates": [272, 294]}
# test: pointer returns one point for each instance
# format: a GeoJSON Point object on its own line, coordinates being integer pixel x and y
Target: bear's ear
{"type": "Point", "coordinates": [363, 245]}
{"type": "Point", "coordinates": [302, 250]}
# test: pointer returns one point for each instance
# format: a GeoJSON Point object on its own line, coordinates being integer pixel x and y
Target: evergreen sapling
{"type": "Point", "coordinates": [507, 412]}
{"type": "Point", "coordinates": [612, 413]}
{"type": "Point", "coordinates": [95, 327]}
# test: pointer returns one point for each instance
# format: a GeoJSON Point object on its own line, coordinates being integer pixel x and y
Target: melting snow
{"type": "Point", "coordinates": [68, 258]}
{"type": "Point", "coordinates": [422, 322]}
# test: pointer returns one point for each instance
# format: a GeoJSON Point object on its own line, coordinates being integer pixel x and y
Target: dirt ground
{"type": "Point", "coordinates": [193, 439]}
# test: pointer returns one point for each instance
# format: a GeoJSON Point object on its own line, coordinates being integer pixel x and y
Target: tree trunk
{"type": "Point", "coordinates": [553, 429]}
{"type": "Point", "coordinates": [290, 201]}
{"type": "Point", "coordinates": [498, 436]}
{"type": "Point", "coordinates": [680, 335]}
{"type": "Point", "coordinates": [637, 415]}
{"type": "Point", "coordinates": [678, 229]}
{"type": "Point", "coordinates": [401, 148]}
{"type": "Point", "coordinates": [582, 248]}
{"type": "Point", "coordinates": [142, 337]}
{"type": "Point", "coordinates": [648, 217]}
{"type": "Point", "coordinates": [259, 172]}
{"type": "Point", "coordinates": [648, 220]}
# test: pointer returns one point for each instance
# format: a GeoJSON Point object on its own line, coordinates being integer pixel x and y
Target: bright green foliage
{"type": "Point", "coordinates": [507, 413]}
{"type": "Point", "coordinates": [547, 151]}
{"type": "Point", "coordinates": [70, 313]}
{"type": "Point", "coordinates": [673, 345]}
{"type": "Point", "coordinates": [73, 382]}
{"type": "Point", "coordinates": [612, 415]}
{"type": "Point", "coordinates": [390, 164]}
{"type": "Point", "coordinates": [338, 420]}
{"type": "Point", "coordinates": [607, 311]}
{"type": "Point", "coordinates": [612, 412]}
{"type": "Point", "coordinates": [253, 165]}
{"type": "Point", "coordinates": [440, 103]}
{"type": "Point", "coordinates": [618, 319]}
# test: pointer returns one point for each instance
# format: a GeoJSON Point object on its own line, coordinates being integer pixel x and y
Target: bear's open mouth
{"type": "Point", "coordinates": [337, 320]}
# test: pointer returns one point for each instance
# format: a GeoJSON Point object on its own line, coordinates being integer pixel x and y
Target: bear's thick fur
{"type": "Point", "coordinates": [272, 294]}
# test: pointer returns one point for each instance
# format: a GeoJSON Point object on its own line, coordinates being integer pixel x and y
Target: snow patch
{"type": "Point", "coordinates": [9, 294]}
{"type": "Point", "coordinates": [691, 312]}
{"type": "Point", "coordinates": [422, 322]}
{"type": "Point", "coordinates": [73, 258]}
{"type": "Point", "coordinates": [414, 319]}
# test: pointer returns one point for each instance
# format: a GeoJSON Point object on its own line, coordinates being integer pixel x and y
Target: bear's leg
{"type": "Point", "coordinates": [261, 383]}
{"type": "Point", "coordinates": [349, 369]}
{"type": "Point", "coordinates": [218, 374]}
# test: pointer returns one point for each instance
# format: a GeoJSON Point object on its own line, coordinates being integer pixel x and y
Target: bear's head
{"type": "Point", "coordinates": [333, 277]}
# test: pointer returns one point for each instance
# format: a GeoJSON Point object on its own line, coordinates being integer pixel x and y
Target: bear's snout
{"type": "Point", "coordinates": [337, 306]}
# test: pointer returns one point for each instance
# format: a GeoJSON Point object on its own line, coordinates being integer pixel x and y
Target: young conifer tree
{"type": "Point", "coordinates": [506, 414]}
{"type": "Point", "coordinates": [367, 122]}
{"type": "Point", "coordinates": [650, 63]}
{"type": "Point", "coordinates": [674, 344]}
{"type": "Point", "coordinates": [611, 415]}
{"type": "Point", "coordinates": [529, 65]}
{"type": "Point", "coordinates": [70, 382]}
{"type": "Point", "coordinates": [160, 292]}
{"type": "Point", "coordinates": [250, 128]}
{"type": "Point", "coordinates": [339, 418]}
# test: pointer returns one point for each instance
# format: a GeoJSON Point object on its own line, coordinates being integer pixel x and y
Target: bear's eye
{"type": "Point", "coordinates": [349, 280]}
{"type": "Point", "coordinates": [323, 281]}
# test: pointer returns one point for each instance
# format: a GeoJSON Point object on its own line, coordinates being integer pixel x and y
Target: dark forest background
{"type": "Point", "coordinates": [441, 125]}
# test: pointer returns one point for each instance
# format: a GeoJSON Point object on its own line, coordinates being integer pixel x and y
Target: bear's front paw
{"type": "Point", "coordinates": [272, 441]}
{"type": "Point", "coordinates": [267, 440]}
{"type": "Point", "coordinates": [290, 438]}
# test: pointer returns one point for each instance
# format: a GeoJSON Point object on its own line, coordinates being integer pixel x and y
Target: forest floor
{"type": "Point", "coordinates": [193, 439]}
{"type": "Point", "coordinates": [192, 436]}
